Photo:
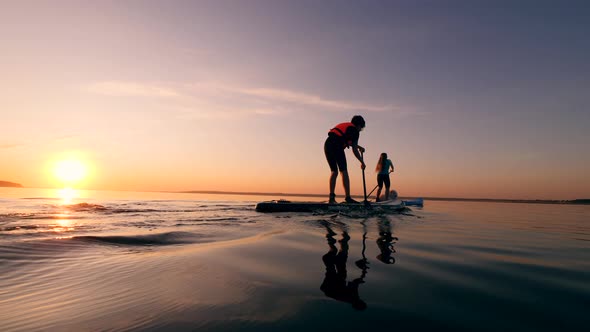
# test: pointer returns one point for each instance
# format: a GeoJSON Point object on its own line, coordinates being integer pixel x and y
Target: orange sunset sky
{"type": "Point", "coordinates": [478, 100]}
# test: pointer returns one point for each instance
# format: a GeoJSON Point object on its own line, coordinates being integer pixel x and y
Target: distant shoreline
{"type": "Point", "coordinates": [8, 184]}
{"type": "Point", "coordinates": [496, 200]}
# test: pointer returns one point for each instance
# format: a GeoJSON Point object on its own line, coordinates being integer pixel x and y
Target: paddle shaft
{"type": "Point", "coordinates": [375, 188]}
{"type": "Point", "coordinates": [364, 182]}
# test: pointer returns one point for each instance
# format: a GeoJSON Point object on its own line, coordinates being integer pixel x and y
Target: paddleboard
{"type": "Point", "coordinates": [282, 205]}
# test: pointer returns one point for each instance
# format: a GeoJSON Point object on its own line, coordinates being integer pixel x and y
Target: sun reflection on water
{"type": "Point", "coordinates": [63, 224]}
{"type": "Point", "coordinates": [67, 195]}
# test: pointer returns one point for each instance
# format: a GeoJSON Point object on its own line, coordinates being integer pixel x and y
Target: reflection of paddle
{"type": "Point", "coordinates": [367, 204]}
{"type": "Point", "coordinates": [363, 263]}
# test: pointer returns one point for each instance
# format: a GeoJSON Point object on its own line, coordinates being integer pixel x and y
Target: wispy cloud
{"type": "Point", "coordinates": [275, 96]}
{"type": "Point", "coordinates": [207, 99]}
{"type": "Point", "coordinates": [114, 88]}
{"type": "Point", "coordinates": [192, 112]}
{"type": "Point", "coordinates": [310, 99]}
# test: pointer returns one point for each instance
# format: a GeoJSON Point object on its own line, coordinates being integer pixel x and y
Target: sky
{"type": "Point", "coordinates": [475, 99]}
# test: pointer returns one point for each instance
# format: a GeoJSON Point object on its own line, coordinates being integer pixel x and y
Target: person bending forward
{"type": "Point", "coordinates": [342, 136]}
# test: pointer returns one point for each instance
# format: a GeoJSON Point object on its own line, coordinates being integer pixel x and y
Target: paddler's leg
{"type": "Point", "coordinates": [346, 183]}
{"type": "Point", "coordinates": [380, 185]}
{"type": "Point", "coordinates": [332, 153]}
{"type": "Point", "coordinates": [333, 176]}
{"type": "Point", "coordinates": [341, 160]}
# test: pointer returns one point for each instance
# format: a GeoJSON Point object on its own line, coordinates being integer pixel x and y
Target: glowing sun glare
{"type": "Point", "coordinates": [70, 171]}
{"type": "Point", "coordinates": [67, 195]}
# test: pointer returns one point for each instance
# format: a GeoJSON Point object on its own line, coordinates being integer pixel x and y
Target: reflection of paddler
{"type": "Point", "coordinates": [335, 283]}
{"type": "Point", "coordinates": [385, 243]}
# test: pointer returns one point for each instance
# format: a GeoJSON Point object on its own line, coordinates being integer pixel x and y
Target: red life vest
{"type": "Point", "coordinates": [340, 130]}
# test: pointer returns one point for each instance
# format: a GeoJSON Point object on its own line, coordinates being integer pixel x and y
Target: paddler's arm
{"type": "Point", "coordinates": [357, 149]}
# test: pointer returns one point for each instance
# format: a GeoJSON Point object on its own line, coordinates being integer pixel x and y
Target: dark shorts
{"type": "Point", "coordinates": [334, 151]}
{"type": "Point", "coordinates": [383, 179]}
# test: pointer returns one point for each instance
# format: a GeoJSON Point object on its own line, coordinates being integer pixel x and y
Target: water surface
{"type": "Point", "coordinates": [160, 262]}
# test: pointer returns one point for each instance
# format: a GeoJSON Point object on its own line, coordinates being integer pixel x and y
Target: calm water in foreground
{"type": "Point", "coordinates": [169, 262]}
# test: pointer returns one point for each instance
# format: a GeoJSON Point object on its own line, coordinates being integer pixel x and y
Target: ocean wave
{"type": "Point", "coordinates": [23, 250]}
{"type": "Point", "coordinates": [17, 228]}
{"type": "Point", "coordinates": [161, 239]}
{"type": "Point", "coordinates": [236, 219]}
{"type": "Point", "coordinates": [10, 217]}
{"type": "Point", "coordinates": [116, 211]}
{"type": "Point", "coordinates": [86, 207]}
{"type": "Point", "coordinates": [151, 210]}
{"type": "Point", "coordinates": [42, 198]}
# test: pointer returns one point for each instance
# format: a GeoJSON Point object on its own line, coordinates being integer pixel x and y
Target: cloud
{"type": "Point", "coordinates": [283, 97]}
{"type": "Point", "coordinates": [209, 99]}
{"type": "Point", "coordinates": [132, 89]}
{"type": "Point", "coordinates": [311, 100]}
{"type": "Point", "coordinates": [199, 112]}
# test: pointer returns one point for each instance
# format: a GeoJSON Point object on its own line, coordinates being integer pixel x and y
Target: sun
{"type": "Point", "coordinates": [70, 171]}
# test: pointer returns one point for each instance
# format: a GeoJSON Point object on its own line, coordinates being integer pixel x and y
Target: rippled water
{"type": "Point", "coordinates": [160, 262]}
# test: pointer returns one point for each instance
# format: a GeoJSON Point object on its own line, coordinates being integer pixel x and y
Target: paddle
{"type": "Point", "coordinates": [377, 186]}
{"type": "Point", "coordinates": [363, 263]}
{"type": "Point", "coordinates": [367, 204]}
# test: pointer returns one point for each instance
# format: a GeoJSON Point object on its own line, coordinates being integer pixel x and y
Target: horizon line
{"type": "Point", "coordinates": [506, 200]}
{"type": "Point", "coordinates": [255, 193]}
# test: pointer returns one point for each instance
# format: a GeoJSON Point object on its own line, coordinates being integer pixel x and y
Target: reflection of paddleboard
{"type": "Point", "coordinates": [289, 206]}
